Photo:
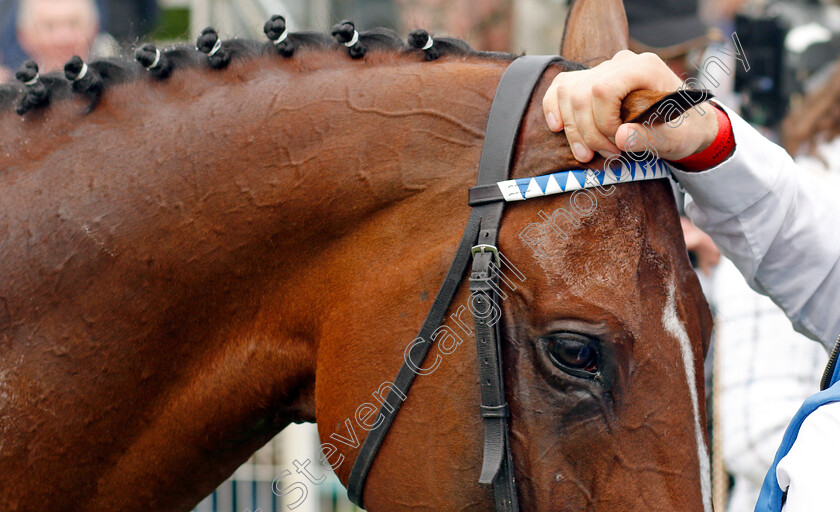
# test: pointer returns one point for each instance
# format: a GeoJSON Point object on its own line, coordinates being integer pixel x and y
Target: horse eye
{"type": "Point", "coordinates": [573, 353]}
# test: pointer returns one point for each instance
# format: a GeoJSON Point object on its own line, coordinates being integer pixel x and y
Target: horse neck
{"type": "Point", "coordinates": [206, 206]}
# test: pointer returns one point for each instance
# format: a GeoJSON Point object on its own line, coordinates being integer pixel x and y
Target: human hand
{"type": "Point", "coordinates": [586, 104]}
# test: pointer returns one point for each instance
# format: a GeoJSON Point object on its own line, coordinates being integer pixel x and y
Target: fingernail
{"type": "Point", "coordinates": [606, 154]}
{"type": "Point", "coordinates": [579, 152]}
{"type": "Point", "coordinates": [552, 121]}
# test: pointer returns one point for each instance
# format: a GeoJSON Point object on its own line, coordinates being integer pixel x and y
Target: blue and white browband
{"type": "Point", "coordinates": [568, 181]}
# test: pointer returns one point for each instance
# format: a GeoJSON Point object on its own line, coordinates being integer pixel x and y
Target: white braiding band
{"type": "Point", "coordinates": [429, 43]}
{"type": "Point", "coordinates": [82, 73]}
{"type": "Point", "coordinates": [34, 80]}
{"type": "Point", "coordinates": [154, 64]}
{"type": "Point", "coordinates": [353, 41]}
{"type": "Point", "coordinates": [282, 37]}
{"type": "Point", "coordinates": [216, 48]}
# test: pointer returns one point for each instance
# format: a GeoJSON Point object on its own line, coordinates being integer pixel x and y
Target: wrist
{"type": "Point", "coordinates": [716, 144]}
{"type": "Point", "coordinates": [711, 128]}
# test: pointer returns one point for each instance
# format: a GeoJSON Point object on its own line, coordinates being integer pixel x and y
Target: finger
{"type": "Point", "coordinates": [551, 111]}
{"type": "Point", "coordinates": [591, 136]}
{"type": "Point", "coordinates": [641, 145]}
{"type": "Point", "coordinates": [694, 134]}
{"type": "Point", "coordinates": [647, 71]}
{"type": "Point", "coordinates": [628, 72]}
{"type": "Point", "coordinates": [606, 107]}
{"type": "Point", "coordinates": [580, 151]}
{"type": "Point", "coordinates": [624, 55]}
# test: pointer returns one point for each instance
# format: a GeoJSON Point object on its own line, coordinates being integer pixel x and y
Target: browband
{"type": "Point", "coordinates": [568, 181]}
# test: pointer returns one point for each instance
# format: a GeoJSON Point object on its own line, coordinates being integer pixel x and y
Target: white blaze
{"type": "Point", "coordinates": [674, 326]}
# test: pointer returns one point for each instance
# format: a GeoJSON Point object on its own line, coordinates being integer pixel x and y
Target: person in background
{"type": "Point", "coordinates": [51, 31]}
{"type": "Point", "coordinates": [128, 20]}
{"type": "Point", "coordinates": [486, 24]}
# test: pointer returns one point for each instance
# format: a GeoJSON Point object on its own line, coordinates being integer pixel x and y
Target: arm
{"type": "Point", "coordinates": [781, 229]}
{"type": "Point", "coordinates": [775, 222]}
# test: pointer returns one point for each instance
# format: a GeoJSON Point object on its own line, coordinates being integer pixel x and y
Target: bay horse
{"type": "Point", "coordinates": [203, 258]}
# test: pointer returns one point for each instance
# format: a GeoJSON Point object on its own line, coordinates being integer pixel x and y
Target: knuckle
{"type": "Point", "coordinates": [571, 131]}
{"type": "Point", "coordinates": [593, 139]}
{"type": "Point", "coordinates": [601, 90]}
{"type": "Point", "coordinates": [655, 148]}
{"type": "Point", "coordinates": [549, 100]}
{"type": "Point", "coordinates": [580, 100]}
{"type": "Point", "coordinates": [560, 88]}
{"type": "Point", "coordinates": [623, 54]}
{"type": "Point", "coordinates": [649, 58]}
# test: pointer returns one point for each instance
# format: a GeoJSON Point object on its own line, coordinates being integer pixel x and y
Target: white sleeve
{"type": "Point", "coordinates": [778, 224]}
{"type": "Point", "coordinates": [809, 471]}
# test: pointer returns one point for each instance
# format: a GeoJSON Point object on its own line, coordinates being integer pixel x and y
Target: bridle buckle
{"type": "Point", "coordinates": [487, 248]}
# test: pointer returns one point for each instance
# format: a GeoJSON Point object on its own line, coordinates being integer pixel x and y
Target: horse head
{"type": "Point", "coordinates": [605, 332]}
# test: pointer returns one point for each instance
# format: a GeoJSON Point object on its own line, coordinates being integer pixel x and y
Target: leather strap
{"type": "Point", "coordinates": [405, 377]}
{"type": "Point", "coordinates": [497, 468]}
{"type": "Point", "coordinates": [483, 194]}
{"type": "Point", "coordinates": [512, 97]}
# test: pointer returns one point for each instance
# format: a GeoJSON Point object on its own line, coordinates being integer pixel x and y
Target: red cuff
{"type": "Point", "coordinates": [717, 152]}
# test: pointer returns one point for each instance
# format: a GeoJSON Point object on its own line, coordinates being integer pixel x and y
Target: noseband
{"type": "Point", "coordinates": [478, 243]}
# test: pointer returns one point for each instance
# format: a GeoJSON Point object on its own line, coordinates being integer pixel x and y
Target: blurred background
{"type": "Point", "coordinates": [501, 25]}
{"type": "Point", "coordinates": [787, 83]}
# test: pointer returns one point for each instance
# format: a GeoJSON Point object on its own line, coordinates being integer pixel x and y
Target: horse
{"type": "Point", "coordinates": [202, 256]}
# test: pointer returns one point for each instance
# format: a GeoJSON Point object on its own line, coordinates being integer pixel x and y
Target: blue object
{"type": "Point", "coordinates": [11, 54]}
{"type": "Point", "coordinates": [772, 496]}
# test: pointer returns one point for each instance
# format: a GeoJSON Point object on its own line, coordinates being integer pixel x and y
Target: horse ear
{"type": "Point", "coordinates": [595, 31]}
{"type": "Point", "coordinates": [640, 106]}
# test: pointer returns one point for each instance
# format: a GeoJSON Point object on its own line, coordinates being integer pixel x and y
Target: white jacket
{"type": "Point", "coordinates": [779, 225]}
{"type": "Point", "coordinates": [781, 228]}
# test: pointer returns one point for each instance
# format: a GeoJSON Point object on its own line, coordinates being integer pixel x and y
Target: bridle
{"type": "Point", "coordinates": [478, 243]}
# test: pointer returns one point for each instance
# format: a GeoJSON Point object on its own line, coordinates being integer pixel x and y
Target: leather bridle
{"type": "Point", "coordinates": [479, 244]}
{"type": "Point", "coordinates": [488, 199]}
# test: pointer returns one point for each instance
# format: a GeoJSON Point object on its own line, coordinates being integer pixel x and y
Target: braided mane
{"type": "Point", "coordinates": [104, 73]}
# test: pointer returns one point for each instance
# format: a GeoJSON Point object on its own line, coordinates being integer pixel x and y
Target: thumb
{"type": "Point", "coordinates": [693, 134]}
{"type": "Point", "coordinates": [623, 136]}
{"type": "Point", "coordinates": [643, 142]}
